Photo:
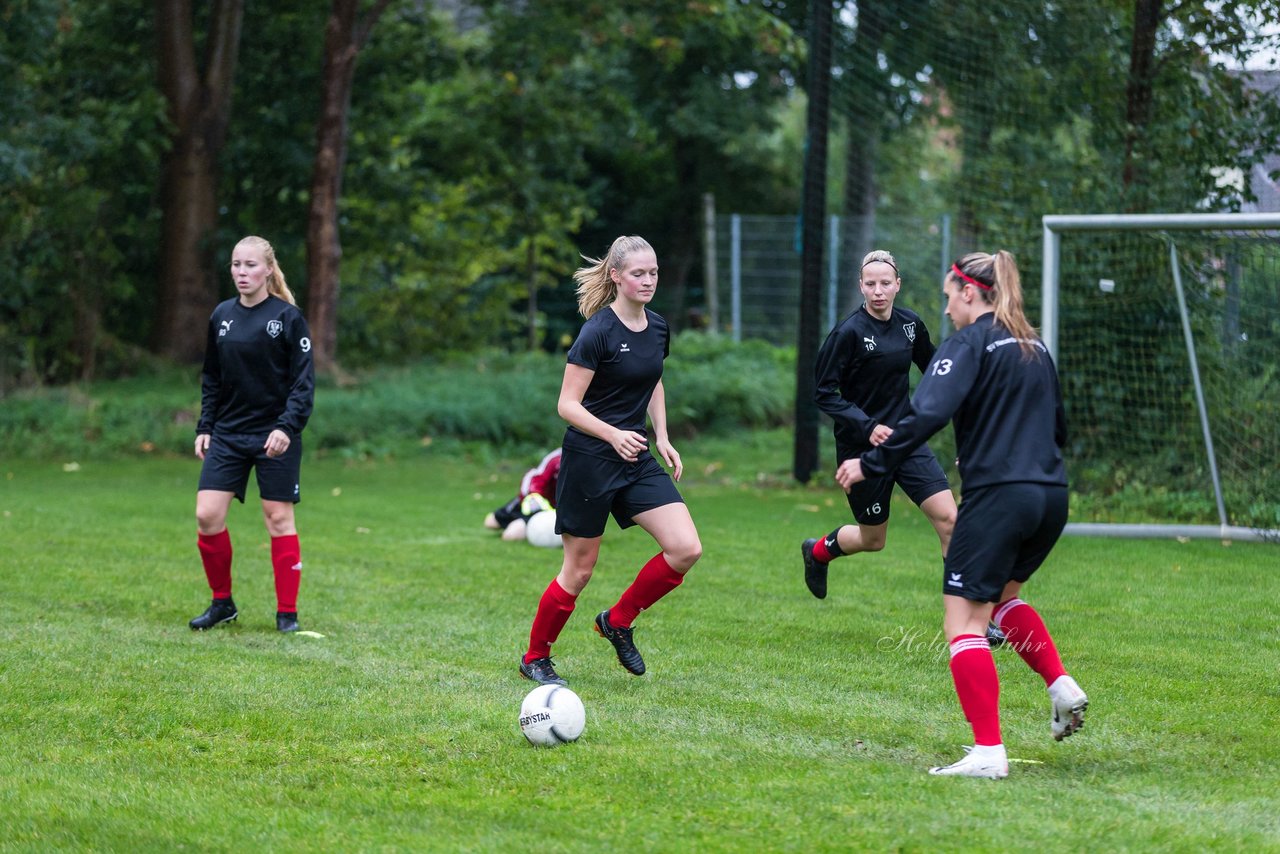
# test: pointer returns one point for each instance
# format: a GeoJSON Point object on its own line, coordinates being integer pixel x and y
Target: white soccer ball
{"type": "Point", "coordinates": [541, 530]}
{"type": "Point", "coordinates": [552, 715]}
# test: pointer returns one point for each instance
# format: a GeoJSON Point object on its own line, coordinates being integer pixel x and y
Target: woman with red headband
{"type": "Point", "coordinates": [995, 378]}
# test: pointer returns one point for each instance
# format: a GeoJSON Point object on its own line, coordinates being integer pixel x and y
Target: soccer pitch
{"type": "Point", "coordinates": [768, 720]}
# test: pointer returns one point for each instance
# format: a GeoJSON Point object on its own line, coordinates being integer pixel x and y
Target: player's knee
{"type": "Point", "coordinates": [209, 520]}
{"type": "Point", "coordinates": [873, 542]}
{"type": "Point", "coordinates": [685, 555]}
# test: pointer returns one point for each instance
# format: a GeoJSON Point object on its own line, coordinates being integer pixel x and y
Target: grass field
{"type": "Point", "coordinates": [768, 720]}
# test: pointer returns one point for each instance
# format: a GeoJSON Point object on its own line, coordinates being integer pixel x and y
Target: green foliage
{"type": "Point", "coordinates": [79, 157]}
{"type": "Point", "coordinates": [397, 729]}
{"type": "Point", "coordinates": [492, 397]}
{"type": "Point", "coordinates": [714, 384]}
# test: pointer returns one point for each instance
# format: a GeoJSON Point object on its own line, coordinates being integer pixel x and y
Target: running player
{"type": "Point", "coordinates": [257, 390]}
{"type": "Point", "coordinates": [612, 379]}
{"type": "Point", "coordinates": [861, 382]}
{"type": "Point", "coordinates": [537, 493]}
{"type": "Point", "coordinates": [998, 382]}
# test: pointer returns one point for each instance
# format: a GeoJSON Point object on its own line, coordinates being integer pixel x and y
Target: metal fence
{"type": "Point", "coordinates": [757, 266]}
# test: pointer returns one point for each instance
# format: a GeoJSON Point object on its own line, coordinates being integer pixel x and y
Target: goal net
{"type": "Point", "coordinates": [1166, 333]}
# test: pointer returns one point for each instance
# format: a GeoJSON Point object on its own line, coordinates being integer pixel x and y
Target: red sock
{"type": "Point", "coordinates": [1027, 634]}
{"type": "Point", "coordinates": [655, 580]}
{"type": "Point", "coordinates": [286, 560]}
{"type": "Point", "coordinates": [977, 686]}
{"type": "Point", "coordinates": [554, 609]}
{"type": "Point", "coordinates": [820, 552]}
{"type": "Point", "coordinates": [827, 548]}
{"type": "Point", "coordinates": [215, 554]}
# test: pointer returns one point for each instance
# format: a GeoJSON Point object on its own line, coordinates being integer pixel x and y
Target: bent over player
{"type": "Point", "coordinates": [996, 380]}
{"type": "Point", "coordinates": [257, 390]}
{"type": "Point", "coordinates": [612, 380]}
{"type": "Point", "coordinates": [537, 492]}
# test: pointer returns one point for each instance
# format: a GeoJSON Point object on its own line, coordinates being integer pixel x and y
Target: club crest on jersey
{"type": "Point", "coordinates": [274, 327]}
{"type": "Point", "coordinates": [909, 329]}
{"type": "Point", "coordinates": [225, 327]}
{"type": "Point", "coordinates": [869, 343]}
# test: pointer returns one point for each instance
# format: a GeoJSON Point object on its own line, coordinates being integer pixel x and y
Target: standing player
{"type": "Point", "coordinates": [861, 382]}
{"type": "Point", "coordinates": [996, 379]}
{"type": "Point", "coordinates": [256, 395]}
{"type": "Point", "coordinates": [537, 493]}
{"type": "Point", "coordinates": [613, 378]}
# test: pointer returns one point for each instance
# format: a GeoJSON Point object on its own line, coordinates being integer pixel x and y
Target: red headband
{"type": "Point", "coordinates": [969, 279]}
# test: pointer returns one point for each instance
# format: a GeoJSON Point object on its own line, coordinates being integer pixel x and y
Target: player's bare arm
{"type": "Point", "coordinates": [658, 416]}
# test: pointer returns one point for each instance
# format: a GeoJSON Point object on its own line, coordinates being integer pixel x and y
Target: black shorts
{"type": "Point", "coordinates": [1003, 533]}
{"type": "Point", "coordinates": [231, 455]}
{"type": "Point", "coordinates": [920, 476]}
{"type": "Point", "coordinates": [590, 488]}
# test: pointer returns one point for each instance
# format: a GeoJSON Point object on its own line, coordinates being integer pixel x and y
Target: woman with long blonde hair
{"type": "Point", "coordinates": [257, 390]}
{"type": "Point", "coordinates": [611, 394]}
{"type": "Point", "coordinates": [996, 381]}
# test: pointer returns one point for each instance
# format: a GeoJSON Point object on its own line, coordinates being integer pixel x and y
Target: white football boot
{"type": "Point", "coordinates": [1069, 703]}
{"type": "Point", "coordinates": [982, 761]}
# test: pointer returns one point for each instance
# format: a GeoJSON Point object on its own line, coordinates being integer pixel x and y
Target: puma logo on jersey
{"type": "Point", "coordinates": [869, 343]}
{"type": "Point", "coordinates": [225, 327]}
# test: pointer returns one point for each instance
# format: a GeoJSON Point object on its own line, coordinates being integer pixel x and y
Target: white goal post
{"type": "Point", "coordinates": [1090, 292]}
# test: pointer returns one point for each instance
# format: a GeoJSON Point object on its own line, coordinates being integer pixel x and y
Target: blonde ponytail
{"type": "Point", "coordinates": [596, 288]}
{"type": "Point", "coordinates": [1000, 286]}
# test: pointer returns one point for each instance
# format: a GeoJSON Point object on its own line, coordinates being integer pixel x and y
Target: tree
{"type": "Point", "coordinates": [345, 35]}
{"type": "Point", "coordinates": [199, 102]}
{"type": "Point", "coordinates": [79, 151]}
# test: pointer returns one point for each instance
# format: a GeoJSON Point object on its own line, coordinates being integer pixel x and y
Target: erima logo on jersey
{"type": "Point", "coordinates": [274, 327]}
{"type": "Point", "coordinates": [869, 343]}
{"type": "Point", "coordinates": [225, 327]}
{"type": "Point", "coordinates": [624, 348]}
{"type": "Point", "coordinates": [909, 329]}
{"type": "Point", "coordinates": [954, 580]}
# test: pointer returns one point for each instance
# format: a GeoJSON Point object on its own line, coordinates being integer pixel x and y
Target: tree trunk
{"type": "Point", "coordinates": [199, 104]}
{"type": "Point", "coordinates": [344, 35]}
{"type": "Point", "coordinates": [1146, 20]}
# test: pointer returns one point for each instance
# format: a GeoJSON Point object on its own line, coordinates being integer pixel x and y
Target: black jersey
{"type": "Point", "coordinates": [862, 373]}
{"type": "Point", "coordinates": [627, 366]}
{"type": "Point", "coordinates": [1009, 421]}
{"type": "Point", "coordinates": [258, 375]}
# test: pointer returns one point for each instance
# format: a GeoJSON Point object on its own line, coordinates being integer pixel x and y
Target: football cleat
{"type": "Point", "coordinates": [815, 571]}
{"type": "Point", "coordinates": [1069, 703]}
{"type": "Point", "coordinates": [995, 636]}
{"type": "Point", "coordinates": [221, 611]}
{"type": "Point", "coordinates": [628, 655]}
{"type": "Point", "coordinates": [542, 671]}
{"type": "Point", "coordinates": [286, 621]}
{"type": "Point", "coordinates": [990, 763]}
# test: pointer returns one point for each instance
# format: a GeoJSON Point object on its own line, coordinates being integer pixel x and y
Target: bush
{"type": "Point", "coordinates": [499, 399]}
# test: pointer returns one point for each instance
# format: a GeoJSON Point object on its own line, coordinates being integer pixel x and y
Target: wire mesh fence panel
{"type": "Point", "coordinates": [758, 259]}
